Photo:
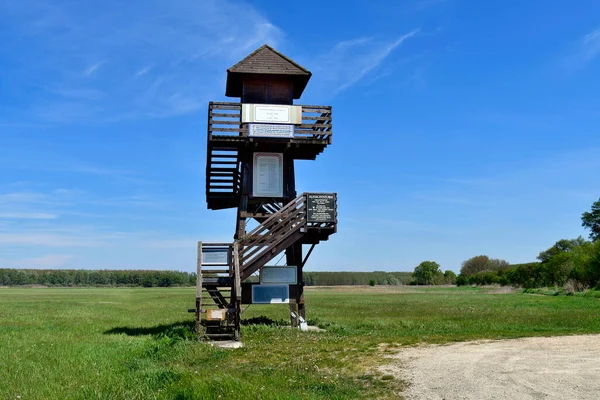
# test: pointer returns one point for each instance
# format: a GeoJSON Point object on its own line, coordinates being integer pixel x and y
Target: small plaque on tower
{"type": "Point", "coordinates": [321, 207]}
{"type": "Point", "coordinates": [270, 294]}
{"type": "Point", "coordinates": [271, 113]}
{"type": "Point", "coordinates": [215, 256]}
{"type": "Point", "coordinates": [272, 274]}
{"type": "Point", "coordinates": [271, 130]}
{"type": "Point", "coordinates": [267, 175]}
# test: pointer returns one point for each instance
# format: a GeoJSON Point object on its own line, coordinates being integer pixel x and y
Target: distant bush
{"type": "Point", "coordinates": [428, 273]}
{"type": "Point", "coordinates": [482, 264]}
{"type": "Point", "coordinates": [449, 277]}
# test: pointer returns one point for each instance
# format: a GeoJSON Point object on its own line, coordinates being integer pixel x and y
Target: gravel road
{"type": "Point", "coordinates": [564, 367]}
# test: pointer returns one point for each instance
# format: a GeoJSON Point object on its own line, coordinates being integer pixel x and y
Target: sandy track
{"type": "Point", "coordinates": [565, 367]}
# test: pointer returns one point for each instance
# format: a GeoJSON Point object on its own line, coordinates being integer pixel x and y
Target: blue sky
{"type": "Point", "coordinates": [460, 127]}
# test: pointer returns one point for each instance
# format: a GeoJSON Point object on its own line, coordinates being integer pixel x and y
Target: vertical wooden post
{"type": "Point", "coordinates": [237, 290]}
{"type": "Point", "coordinates": [294, 257]}
{"type": "Point", "coordinates": [293, 253]}
{"type": "Point", "coordinates": [246, 160]}
{"type": "Point", "coordinates": [240, 231]}
{"type": "Point", "coordinates": [199, 287]}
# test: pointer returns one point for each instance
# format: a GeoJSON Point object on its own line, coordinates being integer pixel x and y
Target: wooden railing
{"type": "Point", "coordinates": [222, 172]}
{"type": "Point", "coordinates": [263, 242]}
{"type": "Point", "coordinates": [224, 119]}
{"type": "Point", "coordinates": [276, 233]}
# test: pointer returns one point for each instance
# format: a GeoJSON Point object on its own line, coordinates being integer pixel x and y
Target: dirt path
{"type": "Point", "coordinates": [566, 367]}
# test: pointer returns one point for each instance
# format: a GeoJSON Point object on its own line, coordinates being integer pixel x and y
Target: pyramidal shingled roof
{"type": "Point", "coordinates": [266, 61]}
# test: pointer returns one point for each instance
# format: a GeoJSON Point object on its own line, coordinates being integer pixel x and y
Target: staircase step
{"type": "Point", "coordinates": [217, 281]}
{"type": "Point", "coordinates": [215, 271]}
{"type": "Point", "coordinates": [220, 335]}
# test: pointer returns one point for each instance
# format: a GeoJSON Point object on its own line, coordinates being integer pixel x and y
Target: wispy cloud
{"type": "Point", "coordinates": [72, 167]}
{"type": "Point", "coordinates": [21, 197]}
{"type": "Point", "coordinates": [169, 244]}
{"type": "Point", "coordinates": [449, 199]}
{"type": "Point", "coordinates": [470, 181]}
{"type": "Point", "coordinates": [585, 50]}
{"type": "Point", "coordinates": [162, 60]}
{"type": "Point", "coordinates": [591, 45]}
{"type": "Point", "coordinates": [17, 215]}
{"type": "Point", "coordinates": [47, 261]}
{"type": "Point", "coordinates": [143, 71]}
{"type": "Point", "coordinates": [92, 68]}
{"type": "Point", "coordinates": [351, 60]}
{"type": "Point", "coordinates": [425, 4]}
{"type": "Point", "coordinates": [52, 238]}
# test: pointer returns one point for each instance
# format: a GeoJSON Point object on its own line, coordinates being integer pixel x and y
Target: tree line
{"type": "Point", "coordinates": [356, 278]}
{"type": "Point", "coordinates": [570, 263]}
{"type": "Point", "coordinates": [146, 278]}
{"type": "Point", "coordinates": [81, 277]}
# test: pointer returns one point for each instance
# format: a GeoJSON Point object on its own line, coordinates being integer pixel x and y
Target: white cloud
{"type": "Point", "coordinates": [17, 215]}
{"type": "Point", "coordinates": [157, 59]}
{"type": "Point", "coordinates": [350, 61]}
{"type": "Point", "coordinates": [50, 239]}
{"type": "Point", "coordinates": [583, 51]}
{"type": "Point", "coordinates": [591, 45]}
{"type": "Point", "coordinates": [49, 261]}
{"type": "Point", "coordinates": [143, 71]}
{"type": "Point", "coordinates": [91, 69]}
{"type": "Point", "coordinates": [169, 244]}
{"type": "Point", "coordinates": [21, 197]}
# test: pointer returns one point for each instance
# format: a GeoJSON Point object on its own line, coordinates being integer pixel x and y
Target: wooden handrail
{"type": "Point", "coordinates": [224, 119]}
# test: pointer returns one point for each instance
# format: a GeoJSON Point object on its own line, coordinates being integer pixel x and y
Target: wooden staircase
{"type": "Point", "coordinates": [218, 291]}
{"type": "Point", "coordinates": [222, 177]}
{"type": "Point", "coordinates": [219, 287]}
{"type": "Point", "coordinates": [273, 235]}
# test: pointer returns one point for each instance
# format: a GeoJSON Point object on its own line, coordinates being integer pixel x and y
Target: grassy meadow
{"type": "Point", "coordinates": [98, 343]}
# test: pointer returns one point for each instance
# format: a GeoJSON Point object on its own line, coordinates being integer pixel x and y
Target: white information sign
{"type": "Point", "coordinates": [270, 274]}
{"type": "Point", "coordinates": [267, 175]}
{"type": "Point", "coordinates": [271, 130]}
{"type": "Point", "coordinates": [270, 294]}
{"type": "Point", "coordinates": [270, 113]}
{"type": "Point", "coordinates": [215, 256]}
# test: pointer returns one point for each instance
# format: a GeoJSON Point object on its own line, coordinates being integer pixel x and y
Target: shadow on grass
{"type": "Point", "coordinates": [182, 329]}
{"type": "Point", "coordinates": [262, 320]}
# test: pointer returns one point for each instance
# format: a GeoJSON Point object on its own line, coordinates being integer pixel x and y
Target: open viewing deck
{"type": "Point", "coordinates": [226, 131]}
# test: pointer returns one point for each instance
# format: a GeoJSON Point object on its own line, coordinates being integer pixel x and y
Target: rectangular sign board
{"type": "Point", "coordinates": [270, 294]}
{"type": "Point", "coordinates": [321, 207]}
{"type": "Point", "coordinates": [267, 175]}
{"type": "Point", "coordinates": [215, 256]}
{"type": "Point", "coordinates": [271, 130]}
{"type": "Point", "coordinates": [271, 113]}
{"type": "Point", "coordinates": [270, 274]}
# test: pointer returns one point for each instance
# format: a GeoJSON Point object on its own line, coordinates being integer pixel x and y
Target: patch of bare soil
{"type": "Point", "coordinates": [564, 367]}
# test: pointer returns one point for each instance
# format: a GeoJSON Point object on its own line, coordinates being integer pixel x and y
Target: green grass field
{"type": "Point", "coordinates": [137, 343]}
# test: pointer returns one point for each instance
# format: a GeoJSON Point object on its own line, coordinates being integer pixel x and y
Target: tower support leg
{"type": "Point", "coordinates": [293, 256]}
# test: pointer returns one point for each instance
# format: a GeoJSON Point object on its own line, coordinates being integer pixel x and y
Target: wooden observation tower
{"type": "Point", "coordinates": [251, 149]}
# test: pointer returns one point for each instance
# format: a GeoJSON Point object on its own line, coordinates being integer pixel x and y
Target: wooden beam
{"type": "Point", "coordinates": [199, 285]}
{"type": "Point", "coordinates": [307, 255]}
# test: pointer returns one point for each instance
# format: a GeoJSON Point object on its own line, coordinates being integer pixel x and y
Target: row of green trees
{"type": "Point", "coordinates": [569, 262]}
{"type": "Point", "coordinates": [356, 278]}
{"type": "Point", "coordinates": [62, 277]}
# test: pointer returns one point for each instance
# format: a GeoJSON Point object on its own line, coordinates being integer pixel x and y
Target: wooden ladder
{"type": "Point", "coordinates": [218, 294]}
